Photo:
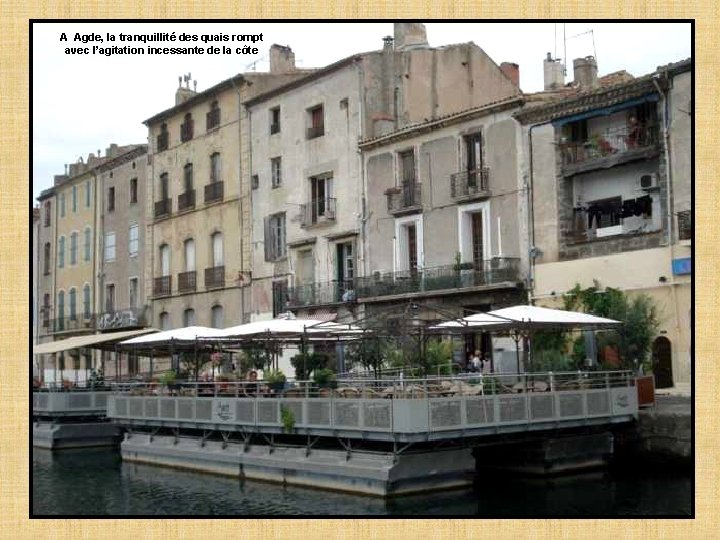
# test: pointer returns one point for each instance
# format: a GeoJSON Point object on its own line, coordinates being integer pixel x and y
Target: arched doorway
{"type": "Point", "coordinates": [662, 362]}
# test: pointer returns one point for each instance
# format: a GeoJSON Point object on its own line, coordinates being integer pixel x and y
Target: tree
{"type": "Point", "coordinates": [370, 353]}
{"type": "Point", "coordinates": [306, 363]}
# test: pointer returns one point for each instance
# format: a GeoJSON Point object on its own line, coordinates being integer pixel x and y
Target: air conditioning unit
{"type": "Point", "coordinates": [648, 181]}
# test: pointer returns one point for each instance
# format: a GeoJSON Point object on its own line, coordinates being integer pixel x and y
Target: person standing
{"type": "Point", "coordinates": [475, 363]}
{"type": "Point", "coordinates": [486, 365]}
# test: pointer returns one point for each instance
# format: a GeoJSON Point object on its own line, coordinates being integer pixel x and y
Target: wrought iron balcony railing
{"type": "Point", "coordinates": [470, 184]}
{"type": "Point", "coordinates": [318, 294]}
{"type": "Point", "coordinates": [162, 286]}
{"type": "Point", "coordinates": [317, 211]}
{"type": "Point", "coordinates": [215, 277]}
{"type": "Point", "coordinates": [214, 192]}
{"type": "Point", "coordinates": [187, 281]}
{"type": "Point", "coordinates": [121, 318]}
{"type": "Point", "coordinates": [405, 198]}
{"type": "Point", "coordinates": [163, 207]}
{"type": "Point", "coordinates": [212, 119]}
{"type": "Point", "coordinates": [615, 141]}
{"type": "Point", "coordinates": [186, 201]}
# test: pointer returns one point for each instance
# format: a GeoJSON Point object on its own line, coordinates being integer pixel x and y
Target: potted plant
{"type": "Point", "coordinates": [167, 379]}
{"type": "Point", "coordinates": [325, 378]}
{"type": "Point", "coordinates": [275, 380]}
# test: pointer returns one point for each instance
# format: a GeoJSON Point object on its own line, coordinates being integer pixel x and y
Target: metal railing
{"type": "Point", "coordinates": [68, 324]}
{"type": "Point", "coordinates": [492, 271]}
{"type": "Point", "coordinates": [317, 211]}
{"type": "Point", "coordinates": [187, 281]}
{"type": "Point", "coordinates": [215, 277]}
{"type": "Point", "coordinates": [685, 226]}
{"type": "Point", "coordinates": [317, 294]}
{"type": "Point", "coordinates": [186, 130]}
{"type": "Point", "coordinates": [613, 142]}
{"type": "Point", "coordinates": [162, 142]}
{"type": "Point", "coordinates": [121, 318]}
{"type": "Point", "coordinates": [186, 200]}
{"type": "Point", "coordinates": [470, 184]}
{"type": "Point", "coordinates": [212, 119]}
{"type": "Point", "coordinates": [214, 192]}
{"type": "Point", "coordinates": [314, 132]}
{"type": "Point", "coordinates": [162, 286]}
{"type": "Point", "coordinates": [404, 198]}
{"type": "Point", "coordinates": [163, 207]}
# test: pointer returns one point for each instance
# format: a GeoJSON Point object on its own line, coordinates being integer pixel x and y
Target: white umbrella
{"type": "Point", "coordinates": [540, 318]}
{"type": "Point", "coordinates": [190, 333]}
{"type": "Point", "coordinates": [474, 323]}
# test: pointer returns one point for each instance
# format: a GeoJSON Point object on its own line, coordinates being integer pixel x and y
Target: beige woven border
{"type": "Point", "coordinates": [15, 265]}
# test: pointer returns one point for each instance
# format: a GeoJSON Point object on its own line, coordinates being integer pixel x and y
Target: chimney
{"type": "Point", "coordinates": [111, 151]}
{"type": "Point", "coordinates": [585, 72]}
{"type": "Point", "coordinates": [387, 44]}
{"type": "Point", "coordinates": [282, 59]}
{"type": "Point", "coordinates": [183, 93]}
{"type": "Point", "coordinates": [554, 73]}
{"type": "Point", "coordinates": [512, 72]}
{"type": "Point", "coordinates": [410, 36]}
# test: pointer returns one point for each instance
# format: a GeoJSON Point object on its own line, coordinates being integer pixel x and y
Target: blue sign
{"type": "Point", "coordinates": [682, 266]}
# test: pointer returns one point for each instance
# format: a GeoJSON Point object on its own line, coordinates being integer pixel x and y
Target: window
{"type": "Point", "coordinates": [62, 205]}
{"type": "Point", "coordinates": [189, 317]}
{"type": "Point", "coordinates": [322, 203]}
{"type": "Point", "coordinates": [133, 293]}
{"type": "Point", "coordinates": [212, 120]}
{"type": "Point", "coordinates": [61, 309]}
{"type": "Point", "coordinates": [474, 233]}
{"type": "Point", "coordinates": [164, 321]}
{"type": "Point", "coordinates": [162, 138]}
{"type": "Point", "coordinates": [88, 194]}
{"type": "Point", "coordinates": [73, 304]}
{"type": "Point", "coordinates": [133, 240]}
{"type": "Point", "coordinates": [46, 310]}
{"type": "Point", "coordinates": [345, 262]}
{"type": "Point", "coordinates": [317, 122]}
{"type": "Point", "coordinates": [61, 252]}
{"type": "Point", "coordinates": [48, 213]}
{"type": "Point", "coordinates": [186, 129]}
{"type": "Point", "coordinates": [164, 260]}
{"type": "Point", "coordinates": [476, 225]}
{"type": "Point", "coordinates": [86, 301]}
{"type": "Point", "coordinates": [88, 243]}
{"type": "Point", "coordinates": [109, 247]}
{"type": "Point", "coordinates": [280, 297]}
{"type": "Point", "coordinates": [133, 190]}
{"type": "Point", "coordinates": [274, 120]}
{"type": "Point", "coordinates": [74, 199]}
{"type": "Point", "coordinates": [73, 248]}
{"type": "Point", "coordinates": [164, 186]}
{"type": "Point", "coordinates": [110, 298]}
{"type": "Point", "coordinates": [216, 317]}
{"type": "Point", "coordinates": [111, 199]}
{"type": "Point", "coordinates": [217, 250]}
{"type": "Point", "coordinates": [276, 169]}
{"type": "Point", "coordinates": [255, 181]}
{"type": "Point", "coordinates": [215, 168]}
{"type": "Point", "coordinates": [46, 258]}
{"type": "Point", "coordinates": [189, 251]}
{"type": "Point", "coordinates": [409, 232]}
{"type": "Point", "coordinates": [275, 237]}
{"type": "Point", "coordinates": [188, 177]}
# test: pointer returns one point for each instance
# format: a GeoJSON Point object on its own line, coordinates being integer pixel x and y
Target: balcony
{"type": "Point", "coordinates": [215, 277]}
{"type": "Point", "coordinates": [186, 130]}
{"type": "Point", "coordinates": [212, 120]}
{"type": "Point", "coordinates": [186, 201]}
{"type": "Point", "coordinates": [317, 211]}
{"type": "Point", "coordinates": [404, 199]}
{"type": "Point", "coordinates": [615, 146]}
{"type": "Point", "coordinates": [163, 208]}
{"type": "Point", "coordinates": [121, 318]}
{"type": "Point", "coordinates": [162, 286]}
{"type": "Point", "coordinates": [187, 281]}
{"type": "Point", "coordinates": [214, 192]}
{"type": "Point", "coordinates": [685, 226]}
{"type": "Point", "coordinates": [491, 272]}
{"type": "Point", "coordinates": [162, 142]}
{"type": "Point", "coordinates": [318, 294]}
{"type": "Point", "coordinates": [315, 132]}
{"type": "Point", "coordinates": [66, 324]}
{"type": "Point", "coordinates": [470, 185]}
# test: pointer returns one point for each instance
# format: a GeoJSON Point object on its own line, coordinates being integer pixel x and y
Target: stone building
{"type": "Point", "coordinates": [609, 167]}
{"type": "Point", "coordinates": [310, 208]}
{"type": "Point", "coordinates": [197, 264]}
{"type": "Point", "coordinates": [35, 270]}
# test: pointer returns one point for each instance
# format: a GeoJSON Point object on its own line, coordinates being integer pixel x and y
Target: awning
{"type": "Point", "coordinates": [605, 111]}
{"type": "Point", "coordinates": [88, 341]}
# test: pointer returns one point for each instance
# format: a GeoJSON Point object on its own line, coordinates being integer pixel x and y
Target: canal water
{"type": "Point", "coordinates": [97, 482]}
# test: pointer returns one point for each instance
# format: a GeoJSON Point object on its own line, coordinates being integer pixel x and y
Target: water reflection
{"type": "Point", "coordinates": [97, 482]}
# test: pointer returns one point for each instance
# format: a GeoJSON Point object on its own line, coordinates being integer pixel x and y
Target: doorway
{"type": "Point", "coordinates": [662, 362]}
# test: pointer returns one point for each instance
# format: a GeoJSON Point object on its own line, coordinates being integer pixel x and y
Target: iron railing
{"type": "Point", "coordinates": [318, 294]}
{"type": "Point", "coordinates": [314, 132]}
{"type": "Point", "coordinates": [470, 184]}
{"type": "Point", "coordinates": [215, 277]}
{"type": "Point", "coordinates": [685, 226]}
{"type": "Point", "coordinates": [186, 130]}
{"type": "Point", "coordinates": [162, 142]}
{"type": "Point", "coordinates": [405, 198]}
{"type": "Point", "coordinates": [212, 119]}
{"type": "Point", "coordinates": [317, 211]}
{"type": "Point", "coordinates": [613, 142]}
{"type": "Point", "coordinates": [163, 207]}
{"type": "Point", "coordinates": [162, 286]}
{"type": "Point", "coordinates": [214, 192]}
{"type": "Point", "coordinates": [121, 318]}
{"type": "Point", "coordinates": [67, 324]}
{"type": "Point", "coordinates": [490, 272]}
{"type": "Point", "coordinates": [187, 281]}
{"type": "Point", "coordinates": [186, 200]}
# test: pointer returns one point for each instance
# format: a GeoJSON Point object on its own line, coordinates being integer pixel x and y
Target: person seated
{"type": "Point", "coordinates": [251, 388]}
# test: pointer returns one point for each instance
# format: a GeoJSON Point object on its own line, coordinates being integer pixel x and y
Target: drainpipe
{"type": "Point", "coordinates": [530, 194]}
{"type": "Point", "coordinates": [241, 193]}
{"type": "Point", "coordinates": [96, 277]}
